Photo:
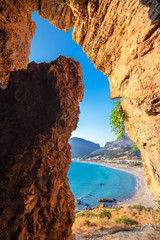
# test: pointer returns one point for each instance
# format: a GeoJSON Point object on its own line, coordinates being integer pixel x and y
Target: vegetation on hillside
{"type": "Point", "coordinates": [105, 213]}
{"type": "Point", "coordinates": [114, 153]}
{"type": "Point", "coordinates": [134, 148]}
{"type": "Point", "coordinates": [125, 220]}
{"type": "Point", "coordinates": [99, 218]}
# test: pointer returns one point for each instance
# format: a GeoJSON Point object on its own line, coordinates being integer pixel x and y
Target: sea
{"type": "Point", "coordinates": [90, 182]}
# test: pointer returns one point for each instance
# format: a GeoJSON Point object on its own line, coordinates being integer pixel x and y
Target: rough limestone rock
{"type": "Point", "coordinates": [122, 39]}
{"type": "Point", "coordinates": [16, 32]}
{"type": "Point", "coordinates": [39, 110]}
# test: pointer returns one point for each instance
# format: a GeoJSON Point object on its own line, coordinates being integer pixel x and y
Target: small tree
{"type": "Point", "coordinates": [134, 147]}
{"type": "Point", "coordinates": [117, 116]}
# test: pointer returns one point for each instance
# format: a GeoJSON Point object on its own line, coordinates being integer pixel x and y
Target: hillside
{"type": "Point", "coordinates": [122, 142]}
{"type": "Point", "coordinates": [119, 150]}
{"type": "Point", "coordinates": [116, 153]}
{"type": "Point", "coordinates": [133, 222]}
{"type": "Point", "coordinates": [81, 147]}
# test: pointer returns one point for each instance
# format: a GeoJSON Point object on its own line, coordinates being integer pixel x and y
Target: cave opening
{"type": "Point", "coordinates": [36, 201]}
{"type": "Point", "coordinates": [49, 43]}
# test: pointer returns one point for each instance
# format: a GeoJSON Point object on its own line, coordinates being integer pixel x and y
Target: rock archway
{"type": "Point", "coordinates": [122, 39]}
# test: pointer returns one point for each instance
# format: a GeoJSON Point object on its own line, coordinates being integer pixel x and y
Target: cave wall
{"type": "Point", "coordinates": [16, 32]}
{"type": "Point", "coordinates": [39, 111]}
{"type": "Point", "coordinates": [122, 39]}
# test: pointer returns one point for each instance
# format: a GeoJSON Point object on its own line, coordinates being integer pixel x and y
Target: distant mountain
{"type": "Point", "coordinates": [122, 142]}
{"type": "Point", "coordinates": [81, 147]}
{"type": "Point", "coordinates": [121, 149]}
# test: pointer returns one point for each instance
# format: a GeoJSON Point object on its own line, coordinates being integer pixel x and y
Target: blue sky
{"type": "Point", "coordinates": [47, 44]}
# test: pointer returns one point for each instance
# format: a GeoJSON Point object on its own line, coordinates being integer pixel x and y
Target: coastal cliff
{"type": "Point", "coordinates": [39, 111]}
{"type": "Point", "coordinates": [122, 39]}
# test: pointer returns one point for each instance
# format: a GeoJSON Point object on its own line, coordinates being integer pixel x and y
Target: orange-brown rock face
{"type": "Point", "coordinates": [16, 32]}
{"type": "Point", "coordinates": [122, 39]}
{"type": "Point", "coordinates": [39, 110]}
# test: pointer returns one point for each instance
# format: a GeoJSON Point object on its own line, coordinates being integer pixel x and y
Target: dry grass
{"type": "Point", "coordinates": [88, 221]}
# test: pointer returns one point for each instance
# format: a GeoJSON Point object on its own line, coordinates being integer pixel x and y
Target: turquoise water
{"type": "Point", "coordinates": [85, 179]}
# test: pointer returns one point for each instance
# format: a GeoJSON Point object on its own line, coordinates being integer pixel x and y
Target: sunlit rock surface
{"type": "Point", "coordinates": [39, 110]}
{"type": "Point", "coordinates": [121, 38]}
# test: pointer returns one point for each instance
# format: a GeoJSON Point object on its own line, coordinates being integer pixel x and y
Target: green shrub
{"type": "Point", "coordinates": [85, 213]}
{"type": "Point", "coordinates": [118, 220]}
{"type": "Point", "coordinates": [134, 214]}
{"type": "Point", "coordinates": [79, 214]}
{"type": "Point", "coordinates": [148, 209]}
{"type": "Point", "coordinates": [88, 214]}
{"type": "Point", "coordinates": [159, 219]}
{"type": "Point", "coordinates": [158, 203]}
{"type": "Point", "coordinates": [138, 207]}
{"type": "Point", "coordinates": [105, 213]}
{"type": "Point", "coordinates": [125, 220]}
{"type": "Point", "coordinates": [134, 147]}
{"type": "Point", "coordinates": [136, 164]}
{"type": "Point", "coordinates": [117, 120]}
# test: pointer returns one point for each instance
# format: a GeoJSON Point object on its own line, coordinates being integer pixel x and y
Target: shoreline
{"type": "Point", "coordinates": [143, 195]}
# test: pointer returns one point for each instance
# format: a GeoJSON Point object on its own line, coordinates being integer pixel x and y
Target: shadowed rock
{"type": "Point", "coordinates": [39, 110]}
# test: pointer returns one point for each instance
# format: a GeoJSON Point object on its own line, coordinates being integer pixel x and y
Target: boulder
{"type": "Point", "coordinates": [78, 202]}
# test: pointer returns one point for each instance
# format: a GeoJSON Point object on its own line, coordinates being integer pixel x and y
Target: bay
{"type": "Point", "coordinates": [90, 182]}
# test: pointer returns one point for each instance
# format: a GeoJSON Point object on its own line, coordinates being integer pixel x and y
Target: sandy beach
{"type": "Point", "coordinates": [143, 196]}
